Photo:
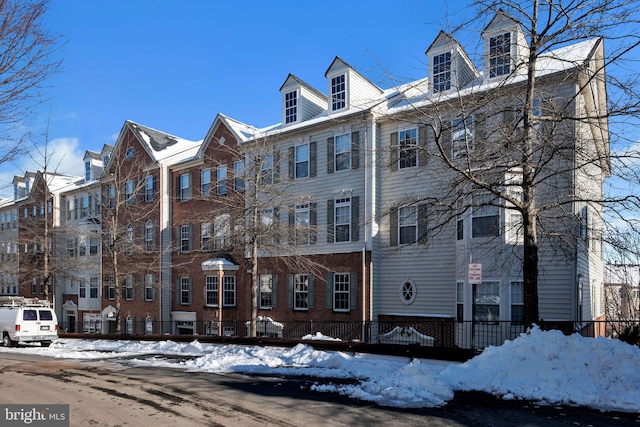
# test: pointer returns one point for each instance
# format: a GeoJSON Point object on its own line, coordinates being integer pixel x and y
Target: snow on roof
{"type": "Point", "coordinates": [562, 59]}
{"type": "Point", "coordinates": [162, 146]}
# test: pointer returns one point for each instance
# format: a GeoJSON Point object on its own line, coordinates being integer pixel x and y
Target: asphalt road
{"type": "Point", "coordinates": [108, 393]}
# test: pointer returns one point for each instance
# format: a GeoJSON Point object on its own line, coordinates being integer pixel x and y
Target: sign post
{"type": "Point", "coordinates": [475, 274]}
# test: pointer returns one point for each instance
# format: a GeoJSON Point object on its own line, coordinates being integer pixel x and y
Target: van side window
{"type": "Point", "coordinates": [46, 315]}
{"type": "Point", "coordinates": [29, 315]}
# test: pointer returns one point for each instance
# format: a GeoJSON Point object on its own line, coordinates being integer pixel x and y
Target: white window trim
{"type": "Point", "coordinates": [347, 138]}
{"type": "Point", "coordinates": [343, 292]}
{"type": "Point", "coordinates": [414, 224]}
{"type": "Point", "coordinates": [342, 203]}
{"type": "Point", "coordinates": [411, 147]}
{"type": "Point", "coordinates": [211, 287]}
{"type": "Point", "coordinates": [300, 279]}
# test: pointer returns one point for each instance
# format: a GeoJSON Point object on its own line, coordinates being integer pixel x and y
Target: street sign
{"type": "Point", "coordinates": [475, 274]}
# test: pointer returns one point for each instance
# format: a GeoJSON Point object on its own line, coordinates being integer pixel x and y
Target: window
{"type": "Point", "coordinates": [129, 239]}
{"type": "Point", "coordinates": [302, 161]}
{"type": "Point", "coordinates": [238, 175]}
{"type": "Point", "coordinates": [34, 286]}
{"type": "Point", "coordinates": [185, 237]}
{"type": "Point", "coordinates": [408, 224]}
{"type": "Point", "coordinates": [82, 246]}
{"type": "Point", "coordinates": [129, 188]}
{"type": "Point", "coordinates": [93, 287]}
{"type": "Point", "coordinates": [500, 55]}
{"type": "Point", "coordinates": [111, 288]}
{"type": "Point", "coordinates": [185, 290]}
{"type": "Point", "coordinates": [462, 137]}
{"type": "Point", "coordinates": [71, 247]}
{"type": "Point", "coordinates": [82, 290]}
{"type": "Point", "coordinates": [205, 183]}
{"type": "Point", "coordinates": [267, 217]}
{"type": "Point", "coordinates": [266, 171]}
{"type": "Point", "coordinates": [441, 72]}
{"type": "Point", "coordinates": [517, 303]}
{"type": "Point", "coordinates": [130, 153]}
{"type": "Point", "coordinates": [129, 289]}
{"type": "Point", "coordinates": [338, 93]}
{"type": "Point", "coordinates": [487, 301]}
{"type": "Point", "coordinates": [111, 194]}
{"type": "Point", "coordinates": [221, 183]}
{"type": "Point", "coordinates": [342, 152]}
{"type": "Point", "coordinates": [460, 302]}
{"type": "Point", "coordinates": [221, 229]}
{"type": "Point", "coordinates": [211, 291]}
{"type": "Point", "coordinates": [408, 292]}
{"type": "Point", "coordinates": [485, 216]}
{"type": "Point", "coordinates": [301, 292]}
{"type": "Point", "coordinates": [129, 325]}
{"type": "Point", "coordinates": [229, 291]}
{"type": "Point", "coordinates": [87, 171]}
{"type": "Point", "coordinates": [302, 229]}
{"type": "Point", "coordinates": [205, 236]}
{"type": "Point", "coordinates": [291, 107]}
{"type": "Point", "coordinates": [149, 287]}
{"type": "Point", "coordinates": [84, 208]}
{"type": "Point", "coordinates": [343, 220]}
{"type": "Point", "coordinates": [460, 226]}
{"type": "Point", "coordinates": [408, 147]}
{"type": "Point", "coordinates": [266, 291]}
{"type": "Point", "coordinates": [341, 291]}
{"type": "Point", "coordinates": [149, 236]}
{"type": "Point", "coordinates": [184, 187]}
{"type": "Point", "coordinates": [150, 188]}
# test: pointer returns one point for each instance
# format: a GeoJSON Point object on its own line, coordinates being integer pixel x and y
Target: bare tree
{"type": "Point", "coordinates": [26, 63]}
{"type": "Point", "coordinates": [526, 145]}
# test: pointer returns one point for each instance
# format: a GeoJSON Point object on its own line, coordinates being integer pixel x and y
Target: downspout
{"type": "Point", "coordinates": [364, 241]}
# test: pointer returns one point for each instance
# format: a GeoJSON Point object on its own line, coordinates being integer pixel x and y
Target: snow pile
{"type": "Point", "coordinates": [550, 367]}
{"type": "Point", "coordinates": [319, 337]}
{"type": "Point", "coordinates": [541, 366]}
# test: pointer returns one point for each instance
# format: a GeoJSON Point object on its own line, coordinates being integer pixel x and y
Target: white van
{"type": "Point", "coordinates": [27, 320]}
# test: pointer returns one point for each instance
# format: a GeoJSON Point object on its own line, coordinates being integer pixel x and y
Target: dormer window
{"type": "Point", "coordinates": [338, 93]}
{"type": "Point", "coordinates": [500, 55]}
{"type": "Point", "coordinates": [87, 171]}
{"type": "Point", "coordinates": [442, 72]}
{"type": "Point", "coordinates": [291, 107]}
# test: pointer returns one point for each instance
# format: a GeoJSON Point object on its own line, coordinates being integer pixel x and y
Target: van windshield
{"type": "Point", "coordinates": [46, 315]}
{"type": "Point", "coordinates": [29, 315]}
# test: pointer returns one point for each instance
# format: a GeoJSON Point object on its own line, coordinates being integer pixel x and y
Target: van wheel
{"type": "Point", "coordinates": [45, 343]}
{"type": "Point", "coordinates": [6, 341]}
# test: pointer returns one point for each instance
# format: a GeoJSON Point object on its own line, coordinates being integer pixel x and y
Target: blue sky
{"type": "Point", "coordinates": [174, 67]}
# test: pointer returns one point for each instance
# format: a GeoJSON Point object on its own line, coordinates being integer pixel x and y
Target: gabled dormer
{"type": "Point", "coordinates": [348, 88]}
{"type": "Point", "coordinates": [22, 185]}
{"type": "Point", "coordinates": [92, 166]}
{"type": "Point", "coordinates": [449, 65]}
{"type": "Point", "coordinates": [300, 101]}
{"type": "Point", "coordinates": [505, 47]}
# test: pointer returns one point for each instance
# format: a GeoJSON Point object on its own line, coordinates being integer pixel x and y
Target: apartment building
{"type": "Point", "coordinates": [362, 204]}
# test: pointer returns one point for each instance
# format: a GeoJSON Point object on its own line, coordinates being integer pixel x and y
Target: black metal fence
{"type": "Point", "coordinates": [444, 333]}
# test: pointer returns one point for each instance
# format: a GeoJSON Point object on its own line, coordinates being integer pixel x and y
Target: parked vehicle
{"type": "Point", "coordinates": [27, 320]}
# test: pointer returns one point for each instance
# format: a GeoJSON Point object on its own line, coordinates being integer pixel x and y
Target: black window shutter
{"type": "Point", "coordinates": [276, 166]}
{"type": "Point", "coordinates": [292, 225]}
{"type": "Point", "coordinates": [274, 290]}
{"type": "Point", "coordinates": [311, 296]}
{"type": "Point", "coordinates": [292, 162]}
{"type": "Point", "coordinates": [313, 221]}
{"type": "Point", "coordinates": [355, 150]}
{"type": "Point", "coordinates": [355, 219]}
{"type": "Point", "coordinates": [393, 162]}
{"type": "Point", "coordinates": [393, 226]}
{"type": "Point", "coordinates": [330, 155]}
{"type": "Point", "coordinates": [353, 290]}
{"type": "Point", "coordinates": [330, 219]}
{"type": "Point", "coordinates": [329, 291]}
{"type": "Point", "coordinates": [177, 190]}
{"type": "Point", "coordinates": [422, 223]}
{"type": "Point", "coordinates": [190, 290]}
{"type": "Point", "coordinates": [190, 237]}
{"type": "Point", "coordinates": [313, 158]}
{"type": "Point", "coordinates": [423, 144]}
{"type": "Point", "coordinates": [289, 290]}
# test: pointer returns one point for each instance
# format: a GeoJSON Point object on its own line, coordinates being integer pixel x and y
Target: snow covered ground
{"type": "Point", "coordinates": [546, 367]}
